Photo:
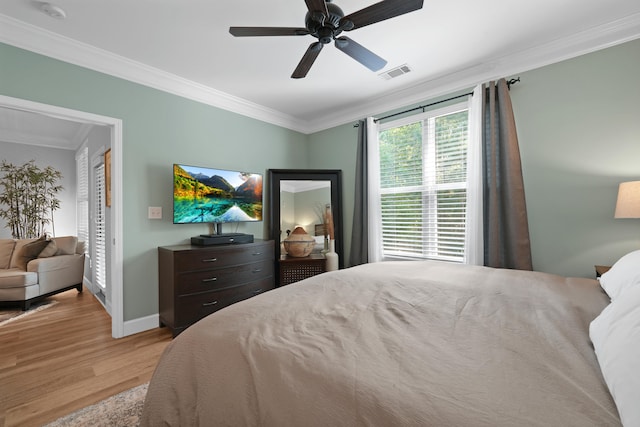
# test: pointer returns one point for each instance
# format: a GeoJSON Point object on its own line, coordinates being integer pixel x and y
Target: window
{"type": "Point", "coordinates": [423, 185]}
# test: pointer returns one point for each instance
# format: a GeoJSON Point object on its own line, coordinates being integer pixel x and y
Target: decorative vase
{"type": "Point", "coordinates": [332, 257]}
{"type": "Point", "coordinates": [299, 244]}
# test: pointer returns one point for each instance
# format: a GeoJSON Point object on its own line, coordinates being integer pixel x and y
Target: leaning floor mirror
{"type": "Point", "coordinates": [302, 198]}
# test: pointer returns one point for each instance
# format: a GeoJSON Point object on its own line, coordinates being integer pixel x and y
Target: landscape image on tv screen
{"type": "Point", "coordinates": [215, 195]}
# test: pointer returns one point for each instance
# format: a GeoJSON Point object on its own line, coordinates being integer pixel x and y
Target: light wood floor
{"type": "Point", "coordinates": [63, 358]}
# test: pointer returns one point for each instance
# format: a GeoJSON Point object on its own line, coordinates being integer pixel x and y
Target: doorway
{"type": "Point", "coordinates": [114, 218]}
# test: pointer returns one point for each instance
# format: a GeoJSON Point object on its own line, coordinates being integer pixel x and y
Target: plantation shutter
{"type": "Point", "coordinates": [82, 195]}
{"type": "Point", "coordinates": [423, 182]}
{"type": "Point", "coordinates": [100, 224]}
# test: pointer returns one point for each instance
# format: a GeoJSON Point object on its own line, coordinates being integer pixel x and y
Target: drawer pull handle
{"type": "Point", "coordinates": [210, 260]}
{"type": "Point", "coordinates": [257, 270]}
{"type": "Point", "coordinates": [257, 253]}
{"type": "Point", "coordinates": [211, 279]}
{"type": "Point", "coordinates": [209, 304]}
{"type": "Point", "coordinates": [256, 292]}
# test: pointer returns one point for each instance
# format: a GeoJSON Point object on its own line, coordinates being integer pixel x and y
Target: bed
{"type": "Point", "coordinates": [423, 343]}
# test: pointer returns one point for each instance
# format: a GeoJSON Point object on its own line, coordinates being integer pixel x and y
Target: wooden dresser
{"type": "Point", "coordinates": [196, 281]}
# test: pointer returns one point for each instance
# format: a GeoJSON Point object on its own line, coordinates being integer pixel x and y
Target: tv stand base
{"type": "Point", "coordinates": [221, 239]}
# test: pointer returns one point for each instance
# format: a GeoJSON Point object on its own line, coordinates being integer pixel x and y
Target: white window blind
{"type": "Point", "coordinates": [82, 195]}
{"type": "Point", "coordinates": [100, 224]}
{"type": "Point", "coordinates": [423, 185]}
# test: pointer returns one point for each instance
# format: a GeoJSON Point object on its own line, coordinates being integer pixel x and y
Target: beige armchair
{"type": "Point", "coordinates": [32, 269]}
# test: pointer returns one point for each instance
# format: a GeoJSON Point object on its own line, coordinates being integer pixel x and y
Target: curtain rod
{"type": "Point", "coordinates": [422, 107]}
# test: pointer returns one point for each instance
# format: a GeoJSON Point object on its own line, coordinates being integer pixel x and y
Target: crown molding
{"type": "Point", "coordinates": [591, 40]}
{"type": "Point", "coordinates": [38, 40]}
{"type": "Point", "coordinates": [29, 37]}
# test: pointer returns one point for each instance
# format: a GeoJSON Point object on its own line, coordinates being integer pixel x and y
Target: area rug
{"type": "Point", "coordinates": [122, 410]}
{"type": "Point", "coordinates": [8, 315]}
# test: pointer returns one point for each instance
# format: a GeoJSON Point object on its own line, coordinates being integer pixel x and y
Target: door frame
{"type": "Point", "coordinates": [116, 216]}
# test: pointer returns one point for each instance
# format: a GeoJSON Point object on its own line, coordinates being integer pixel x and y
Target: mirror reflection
{"type": "Point", "coordinates": [303, 203]}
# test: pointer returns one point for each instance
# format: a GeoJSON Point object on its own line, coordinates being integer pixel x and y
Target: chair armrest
{"type": "Point", "coordinates": [58, 272]}
{"type": "Point", "coordinates": [58, 262]}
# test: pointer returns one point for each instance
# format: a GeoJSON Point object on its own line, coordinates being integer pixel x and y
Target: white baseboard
{"type": "Point", "coordinates": [141, 324]}
{"type": "Point", "coordinates": [89, 284]}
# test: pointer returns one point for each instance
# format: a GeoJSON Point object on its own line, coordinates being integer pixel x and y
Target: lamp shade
{"type": "Point", "coordinates": [628, 205]}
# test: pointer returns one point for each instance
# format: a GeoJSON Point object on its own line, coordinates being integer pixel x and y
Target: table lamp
{"type": "Point", "coordinates": [628, 204]}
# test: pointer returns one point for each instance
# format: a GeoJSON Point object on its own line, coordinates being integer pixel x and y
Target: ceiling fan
{"type": "Point", "coordinates": [326, 21]}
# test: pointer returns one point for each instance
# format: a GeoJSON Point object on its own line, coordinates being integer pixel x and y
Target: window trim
{"type": "Point", "coordinates": [379, 191]}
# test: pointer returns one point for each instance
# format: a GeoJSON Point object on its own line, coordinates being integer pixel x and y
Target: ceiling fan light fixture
{"type": "Point", "coordinates": [53, 10]}
{"type": "Point", "coordinates": [325, 35]}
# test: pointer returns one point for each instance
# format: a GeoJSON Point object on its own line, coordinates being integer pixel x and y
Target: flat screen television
{"type": "Point", "coordinates": [215, 196]}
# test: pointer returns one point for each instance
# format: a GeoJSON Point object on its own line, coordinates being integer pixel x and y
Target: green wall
{"type": "Point", "coordinates": [336, 148]}
{"type": "Point", "coordinates": [158, 130]}
{"type": "Point", "coordinates": [579, 131]}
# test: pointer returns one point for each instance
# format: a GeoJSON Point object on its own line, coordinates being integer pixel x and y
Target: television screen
{"type": "Point", "coordinates": [215, 195]}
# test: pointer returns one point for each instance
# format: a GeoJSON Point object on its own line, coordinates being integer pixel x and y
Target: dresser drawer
{"type": "Point", "coordinates": [205, 280]}
{"type": "Point", "coordinates": [223, 257]}
{"type": "Point", "coordinates": [195, 281]}
{"type": "Point", "coordinates": [193, 307]}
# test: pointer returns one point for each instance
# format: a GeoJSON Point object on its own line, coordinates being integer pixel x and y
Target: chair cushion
{"type": "Point", "coordinates": [16, 278]}
{"type": "Point", "coordinates": [17, 252]}
{"type": "Point", "coordinates": [66, 245]}
{"type": "Point", "coordinates": [6, 249]}
{"type": "Point", "coordinates": [50, 250]}
{"type": "Point", "coordinates": [30, 251]}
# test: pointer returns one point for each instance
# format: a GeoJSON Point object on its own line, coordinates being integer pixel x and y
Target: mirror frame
{"type": "Point", "coordinates": [275, 176]}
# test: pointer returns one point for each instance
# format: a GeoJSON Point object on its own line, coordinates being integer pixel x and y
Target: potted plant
{"type": "Point", "coordinates": [28, 198]}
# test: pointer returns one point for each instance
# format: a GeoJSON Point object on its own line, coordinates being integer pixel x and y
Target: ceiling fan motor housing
{"type": "Point", "coordinates": [324, 28]}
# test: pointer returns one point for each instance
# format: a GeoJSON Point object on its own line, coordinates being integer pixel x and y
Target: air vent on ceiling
{"type": "Point", "coordinates": [395, 72]}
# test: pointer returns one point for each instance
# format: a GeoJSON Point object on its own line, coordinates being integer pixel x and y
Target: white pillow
{"type": "Point", "coordinates": [615, 334]}
{"type": "Point", "coordinates": [624, 274]}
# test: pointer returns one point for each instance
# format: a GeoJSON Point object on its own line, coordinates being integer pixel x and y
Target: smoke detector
{"type": "Point", "coordinates": [395, 72]}
{"type": "Point", "coordinates": [53, 11]}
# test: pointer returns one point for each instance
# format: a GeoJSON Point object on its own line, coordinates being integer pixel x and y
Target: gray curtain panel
{"type": "Point", "coordinates": [506, 229]}
{"type": "Point", "coordinates": [359, 231]}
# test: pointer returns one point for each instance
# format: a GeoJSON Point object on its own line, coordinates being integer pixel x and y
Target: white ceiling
{"type": "Point", "coordinates": [24, 127]}
{"type": "Point", "coordinates": [184, 47]}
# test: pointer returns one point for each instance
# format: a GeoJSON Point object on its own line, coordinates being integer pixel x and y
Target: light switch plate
{"type": "Point", "coordinates": [155, 212]}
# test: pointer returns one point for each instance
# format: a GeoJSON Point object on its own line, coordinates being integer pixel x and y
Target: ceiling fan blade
{"type": "Point", "coordinates": [317, 6]}
{"type": "Point", "coordinates": [381, 11]}
{"type": "Point", "coordinates": [360, 53]}
{"type": "Point", "coordinates": [267, 31]}
{"type": "Point", "coordinates": [307, 60]}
